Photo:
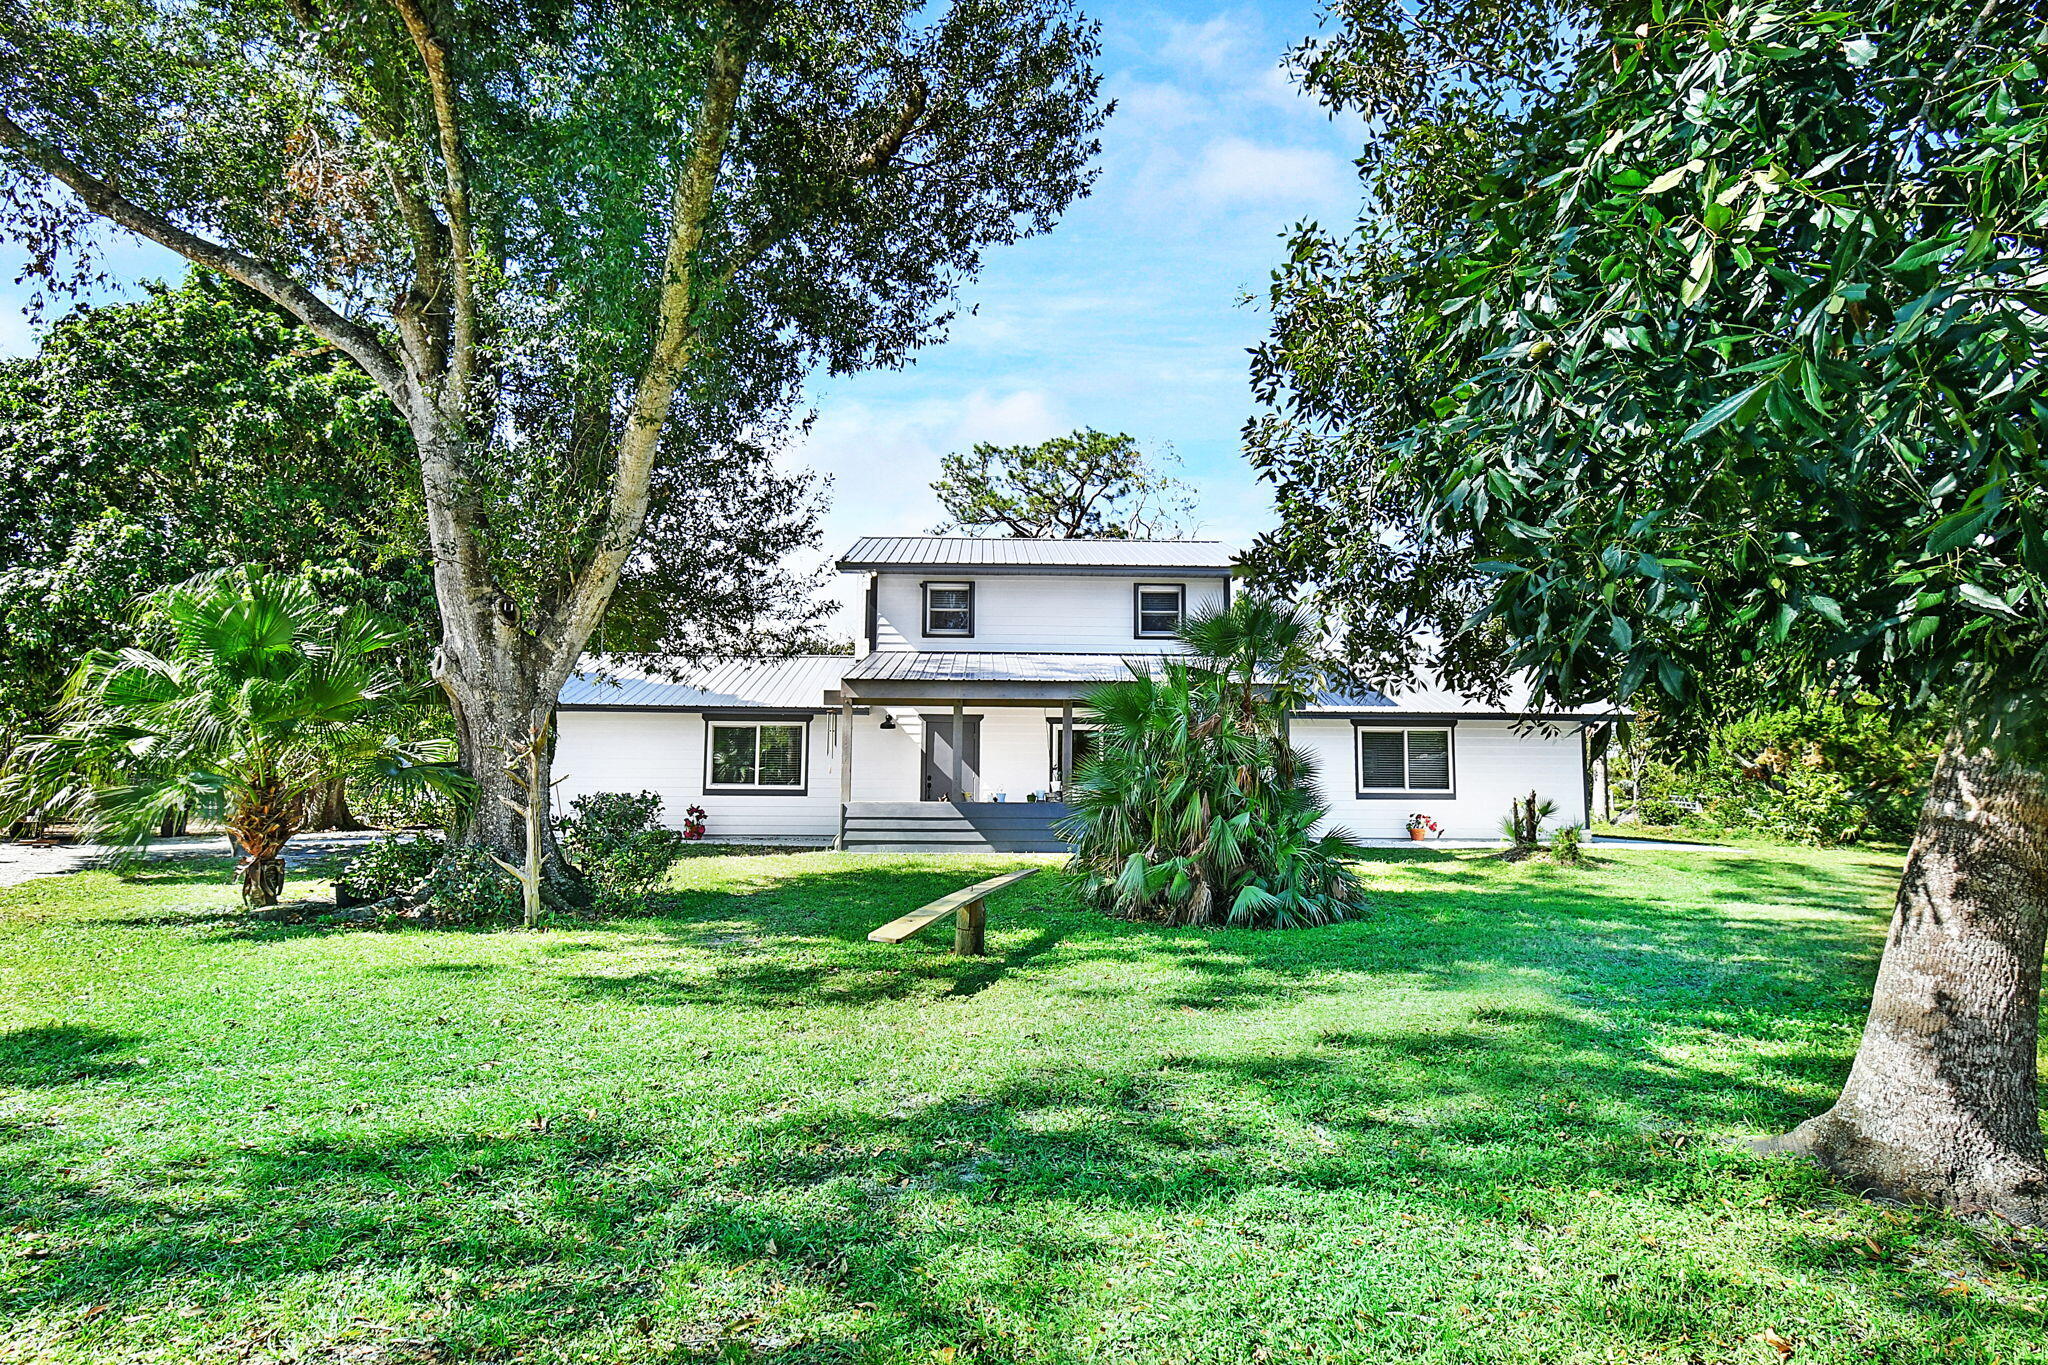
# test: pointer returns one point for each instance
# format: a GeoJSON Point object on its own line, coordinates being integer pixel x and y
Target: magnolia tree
{"type": "Point", "coordinates": [582, 248]}
{"type": "Point", "coordinates": [1717, 347]}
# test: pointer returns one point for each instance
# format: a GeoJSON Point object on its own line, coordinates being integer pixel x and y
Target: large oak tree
{"type": "Point", "coordinates": [580, 247]}
{"type": "Point", "coordinates": [1718, 347]}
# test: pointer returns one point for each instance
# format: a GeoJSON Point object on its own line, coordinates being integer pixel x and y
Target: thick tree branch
{"type": "Point", "coordinates": [462, 240]}
{"type": "Point", "coordinates": [358, 342]}
{"type": "Point", "coordinates": [674, 340]}
{"type": "Point", "coordinates": [882, 151]}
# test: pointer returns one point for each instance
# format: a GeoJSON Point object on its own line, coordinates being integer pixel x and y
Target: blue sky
{"type": "Point", "coordinates": [1129, 316]}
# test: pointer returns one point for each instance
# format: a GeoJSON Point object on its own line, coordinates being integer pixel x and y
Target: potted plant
{"type": "Point", "coordinates": [693, 823]}
{"type": "Point", "coordinates": [1421, 827]}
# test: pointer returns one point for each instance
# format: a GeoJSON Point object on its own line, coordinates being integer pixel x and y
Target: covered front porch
{"type": "Point", "coordinates": [962, 752]}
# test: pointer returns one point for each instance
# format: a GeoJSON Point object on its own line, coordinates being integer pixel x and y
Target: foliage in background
{"type": "Point", "coordinates": [618, 841]}
{"type": "Point", "coordinates": [1084, 484]}
{"type": "Point", "coordinates": [246, 697]}
{"type": "Point", "coordinates": [1194, 808]}
{"type": "Point", "coordinates": [194, 428]}
{"type": "Point", "coordinates": [1826, 772]}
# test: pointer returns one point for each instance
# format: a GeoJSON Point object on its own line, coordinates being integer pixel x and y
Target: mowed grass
{"type": "Point", "coordinates": [1488, 1123]}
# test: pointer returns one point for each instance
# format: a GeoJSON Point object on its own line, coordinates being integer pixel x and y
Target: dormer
{"type": "Point", "coordinates": [948, 594]}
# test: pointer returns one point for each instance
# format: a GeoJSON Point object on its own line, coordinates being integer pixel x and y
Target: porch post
{"type": "Point", "coordinates": [959, 728]}
{"type": "Point", "coordinates": [1066, 746]}
{"type": "Point", "coordinates": [845, 766]}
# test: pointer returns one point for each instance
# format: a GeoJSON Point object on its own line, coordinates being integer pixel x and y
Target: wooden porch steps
{"type": "Point", "coordinates": [946, 827]}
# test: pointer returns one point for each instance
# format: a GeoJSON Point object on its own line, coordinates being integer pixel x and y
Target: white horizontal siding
{"type": "Point", "coordinates": [663, 752]}
{"type": "Point", "coordinates": [1494, 763]}
{"type": "Point", "coordinates": [1031, 612]}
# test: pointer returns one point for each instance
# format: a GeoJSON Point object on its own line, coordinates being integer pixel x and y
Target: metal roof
{"type": "Point", "coordinates": [912, 666]}
{"type": "Point", "coordinates": [795, 684]}
{"type": "Point", "coordinates": [909, 552]}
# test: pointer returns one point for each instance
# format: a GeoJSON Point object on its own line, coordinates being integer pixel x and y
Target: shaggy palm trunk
{"type": "Point", "coordinates": [260, 828]}
{"type": "Point", "coordinates": [1942, 1103]}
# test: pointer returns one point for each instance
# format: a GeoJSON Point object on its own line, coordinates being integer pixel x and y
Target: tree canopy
{"type": "Point", "coordinates": [588, 249]}
{"type": "Point", "coordinates": [1084, 484]}
{"type": "Point", "coordinates": [1724, 353]}
{"type": "Point", "coordinates": [194, 428]}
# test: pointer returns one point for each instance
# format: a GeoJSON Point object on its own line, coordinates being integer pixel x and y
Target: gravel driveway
{"type": "Point", "coordinates": [24, 862]}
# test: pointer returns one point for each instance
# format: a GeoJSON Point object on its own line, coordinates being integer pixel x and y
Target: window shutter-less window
{"type": "Point", "coordinates": [1429, 760]}
{"type": "Point", "coordinates": [948, 610]}
{"type": "Point", "coordinates": [782, 756]}
{"type": "Point", "coordinates": [1380, 760]}
{"type": "Point", "coordinates": [1159, 610]}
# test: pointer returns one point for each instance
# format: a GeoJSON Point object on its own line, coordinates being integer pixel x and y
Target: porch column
{"type": "Point", "coordinates": [1066, 746]}
{"type": "Point", "coordinates": [845, 766]}
{"type": "Point", "coordinates": [959, 728]}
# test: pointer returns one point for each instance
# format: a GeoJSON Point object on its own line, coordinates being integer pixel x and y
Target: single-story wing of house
{"type": "Point", "coordinates": [955, 721]}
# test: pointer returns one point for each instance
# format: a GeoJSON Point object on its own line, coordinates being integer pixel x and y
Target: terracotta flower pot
{"type": "Point", "coordinates": [1418, 834]}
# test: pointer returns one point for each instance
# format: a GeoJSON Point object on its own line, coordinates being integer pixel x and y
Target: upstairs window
{"type": "Point", "coordinates": [766, 756]}
{"type": "Point", "coordinates": [1161, 606]}
{"type": "Point", "coordinates": [949, 609]}
{"type": "Point", "coordinates": [1403, 761]}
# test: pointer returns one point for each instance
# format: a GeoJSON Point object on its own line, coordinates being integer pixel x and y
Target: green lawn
{"type": "Point", "coordinates": [1485, 1124]}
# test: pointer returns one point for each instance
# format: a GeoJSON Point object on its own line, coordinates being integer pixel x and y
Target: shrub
{"type": "Point", "coordinates": [466, 887]}
{"type": "Point", "coordinates": [619, 842]}
{"type": "Point", "coordinates": [1566, 849]}
{"type": "Point", "coordinates": [1195, 809]}
{"type": "Point", "coordinates": [392, 866]}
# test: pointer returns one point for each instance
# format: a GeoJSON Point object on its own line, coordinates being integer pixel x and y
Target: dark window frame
{"type": "Point", "coordinates": [802, 725]}
{"type": "Point", "coordinates": [925, 602]}
{"type": "Point", "coordinates": [1448, 729]}
{"type": "Point", "coordinates": [1138, 591]}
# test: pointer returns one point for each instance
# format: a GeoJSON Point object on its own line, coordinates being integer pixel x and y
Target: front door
{"type": "Point", "coordinates": [938, 757]}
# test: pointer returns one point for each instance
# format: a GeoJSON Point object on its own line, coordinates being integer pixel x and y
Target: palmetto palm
{"type": "Point", "coordinates": [247, 697]}
{"type": "Point", "coordinates": [1195, 808]}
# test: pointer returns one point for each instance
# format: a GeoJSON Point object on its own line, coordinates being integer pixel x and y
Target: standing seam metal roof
{"type": "Point", "coordinates": [795, 684]}
{"type": "Point", "coordinates": [882, 552]}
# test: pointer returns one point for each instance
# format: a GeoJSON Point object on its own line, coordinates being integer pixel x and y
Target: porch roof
{"type": "Point", "coordinates": [1005, 554]}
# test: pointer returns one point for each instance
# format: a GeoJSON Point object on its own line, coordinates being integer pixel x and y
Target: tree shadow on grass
{"type": "Point", "coordinates": [950, 1220]}
{"type": "Point", "coordinates": [61, 1054]}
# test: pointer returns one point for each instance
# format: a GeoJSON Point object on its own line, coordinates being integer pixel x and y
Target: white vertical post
{"type": "Point", "coordinates": [845, 765]}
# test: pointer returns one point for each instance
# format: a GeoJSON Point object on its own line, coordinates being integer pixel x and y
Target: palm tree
{"type": "Point", "coordinates": [247, 698]}
{"type": "Point", "coordinates": [1195, 808]}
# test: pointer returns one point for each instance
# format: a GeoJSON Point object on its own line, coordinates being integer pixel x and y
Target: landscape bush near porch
{"type": "Point", "coordinates": [1195, 808]}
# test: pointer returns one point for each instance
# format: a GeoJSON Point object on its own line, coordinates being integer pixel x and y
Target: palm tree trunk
{"type": "Point", "coordinates": [261, 826]}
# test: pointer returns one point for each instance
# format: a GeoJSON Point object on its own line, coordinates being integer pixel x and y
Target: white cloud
{"type": "Point", "coordinates": [1236, 170]}
{"type": "Point", "coordinates": [1216, 44]}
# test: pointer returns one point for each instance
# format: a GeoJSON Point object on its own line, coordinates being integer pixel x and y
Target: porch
{"type": "Point", "coordinates": [962, 752]}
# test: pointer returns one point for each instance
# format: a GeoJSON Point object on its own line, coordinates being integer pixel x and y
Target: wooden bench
{"type": "Point", "coordinates": [970, 928]}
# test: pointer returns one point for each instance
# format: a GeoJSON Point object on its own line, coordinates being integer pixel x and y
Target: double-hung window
{"type": "Point", "coordinates": [1160, 608]}
{"type": "Point", "coordinates": [949, 609]}
{"type": "Point", "coordinates": [756, 756]}
{"type": "Point", "coordinates": [1399, 761]}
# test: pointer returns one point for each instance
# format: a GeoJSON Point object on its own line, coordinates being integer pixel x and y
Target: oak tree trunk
{"type": "Point", "coordinates": [498, 699]}
{"type": "Point", "coordinates": [1942, 1103]}
{"type": "Point", "coordinates": [333, 813]}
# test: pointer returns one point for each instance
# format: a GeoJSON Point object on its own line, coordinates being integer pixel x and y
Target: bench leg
{"type": "Point", "coordinates": [970, 930]}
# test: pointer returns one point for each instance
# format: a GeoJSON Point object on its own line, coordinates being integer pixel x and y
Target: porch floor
{"type": "Point", "coordinates": [953, 827]}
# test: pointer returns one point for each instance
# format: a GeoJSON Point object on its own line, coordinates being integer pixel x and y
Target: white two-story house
{"type": "Point", "coordinates": [957, 717]}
